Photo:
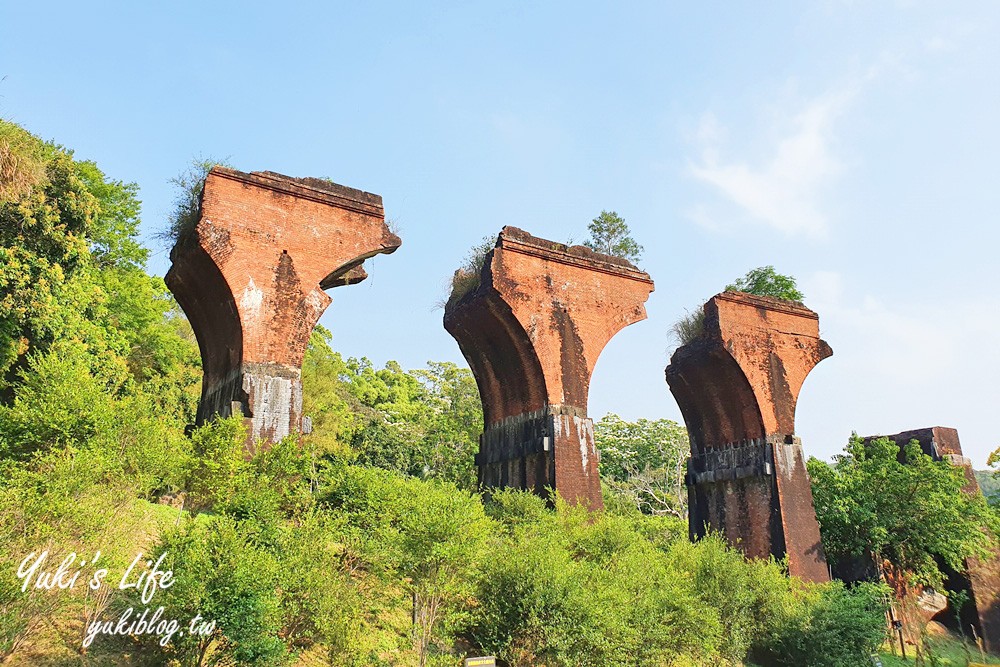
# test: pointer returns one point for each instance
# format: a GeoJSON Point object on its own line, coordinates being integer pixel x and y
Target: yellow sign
{"type": "Point", "coordinates": [487, 661]}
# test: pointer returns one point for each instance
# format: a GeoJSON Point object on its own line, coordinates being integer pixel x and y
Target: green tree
{"type": "Point", "coordinates": [610, 235]}
{"type": "Point", "coordinates": [765, 281]}
{"type": "Point", "coordinates": [902, 513]}
{"type": "Point", "coordinates": [423, 423]}
{"type": "Point", "coordinates": [427, 536]}
{"type": "Point", "coordinates": [643, 462]}
{"type": "Point", "coordinates": [71, 268]}
{"type": "Point", "coordinates": [327, 398]}
{"type": "Point", "coordinates": [454, 416]}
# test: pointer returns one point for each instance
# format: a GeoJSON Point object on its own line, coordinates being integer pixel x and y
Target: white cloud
{"type": "Point", "coordinates": [885, 341]}
{"type": "Point", "coordinates": [938, 44]}
{"type": "Point", "coordinates": [899, 364]}
{"type": "Point", "coordinates": [785, 188]}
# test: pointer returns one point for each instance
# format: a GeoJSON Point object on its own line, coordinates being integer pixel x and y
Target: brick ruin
{"type": "Point", "coordinates": [981, 578]}
{"type": "Point", "coordinates": [532, 332]}
{"type": "Point", "coordinates": [737, 385]}
{"type": "Point", "coordinates": [250, 277]}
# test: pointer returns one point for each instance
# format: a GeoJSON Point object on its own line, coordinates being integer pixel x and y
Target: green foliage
{"type": "Point", "coordinates": [424, 422]}
{"type": "Point", "coordinates": [870, 504]}
{"type": "Point", "coordinates": [610, 235]}
{"type": "Point", "coordinates": [228, 579]}
{"type": "Point", "coordinates": [643, 462]}
{"type": "Point", "coordinates": [427, 535]}
{"type": "Point", "coordinates": [60, 403]}
{"type": "Point", "coordinates": [112, 236]}
{"type": "Point", "coordinates": [65, 405]}
{"type": "Point", "coordinates": [468, 276]}
{"type": "Point", "coordinates": [560, 587]}
{"type": "Point", "coordinates": [989, 484]}
{"type": "Point", "coordinates": [71, 269]}
{"type": "Point", "coordinates": [327, 397]}
{"type": "Point", "coordinates": [43, 248]}
{"type": "Point", "coordinates": [835, 627]}
{"type": "Point", "coordinates": [765, 281]}
{"type": "Point", "coordinates": [217, 465]}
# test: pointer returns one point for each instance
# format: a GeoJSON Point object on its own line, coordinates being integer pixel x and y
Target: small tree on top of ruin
{"type": "Point", "coordinates": [610, 235]}
{"type": "Point", "coordinates": [765, 281]}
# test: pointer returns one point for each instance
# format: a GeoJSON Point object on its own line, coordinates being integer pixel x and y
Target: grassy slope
{"type": "Point", "coordinates": [948, 651]}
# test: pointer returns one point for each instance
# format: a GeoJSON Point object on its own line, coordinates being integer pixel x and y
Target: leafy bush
{"type": "Point", "coordinates": [562, 587]}
{"type": "Point", "coordinates": [831, 627]}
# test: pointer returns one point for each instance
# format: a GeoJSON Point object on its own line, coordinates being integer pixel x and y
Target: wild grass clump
{"type": "Point", "coordinates": [689, 327]}
{"type": "Point", "coordinates": [189, 185]}
{"type": "Point", "coordinates": [467, 277]}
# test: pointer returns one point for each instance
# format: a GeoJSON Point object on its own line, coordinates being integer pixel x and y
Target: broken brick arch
{"type": "Point", "coordinates": [737, 385]}
{"type": "Point", "coordinates": [250, 277]}
{"type": "Point", "coordinates": [506, 367]}
{"type": "Point", "coordinates": [532, 331]}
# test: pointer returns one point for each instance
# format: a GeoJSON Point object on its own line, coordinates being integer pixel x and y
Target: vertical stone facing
{"type": "Point", "coordinates": [251, 277]}
{"type": "Point", "coordinates": [737, 386]}
{"type": "Point", "coordinates": [532, 333]}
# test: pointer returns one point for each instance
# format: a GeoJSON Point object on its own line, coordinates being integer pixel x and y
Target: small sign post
{"type": "Point", "coordinates": [485, 661]}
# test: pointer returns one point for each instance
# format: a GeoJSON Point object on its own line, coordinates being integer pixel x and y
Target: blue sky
{"type": "Point", "coordinates": [852, 145]}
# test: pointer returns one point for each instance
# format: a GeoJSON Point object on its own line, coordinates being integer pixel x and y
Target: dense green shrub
{"type": "Point", "coordinates": [562, 587]}
{"type": "Point", "coordinates": [830, 626]}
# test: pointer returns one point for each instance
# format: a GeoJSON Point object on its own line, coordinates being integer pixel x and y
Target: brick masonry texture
{"type": "Point", "coordinates": [737, 386]}
{"type": "Point", "coordinates": [250, 277]}
{"type": "Point", "coordinates": [982, 577]}
{"type": "Point", "coordinates": [532, 332]}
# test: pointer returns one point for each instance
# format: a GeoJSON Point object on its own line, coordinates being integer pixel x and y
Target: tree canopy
{"type": "Point", "coordinates": [903, 512]}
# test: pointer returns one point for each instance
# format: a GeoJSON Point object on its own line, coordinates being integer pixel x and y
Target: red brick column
{"type": "Point", "coordinates": [737, 386]}
{"type": "Point", "coordinates": [532, 332]}
{"type": "Point", "coordinates": [250, 277]}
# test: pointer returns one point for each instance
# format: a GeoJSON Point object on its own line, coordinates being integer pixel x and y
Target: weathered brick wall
{"type": "Point", "coordinates": [250, 277]}
{"type": "Point", "coordinates": [532, 333]}
{"type": "Point", "coordinates": [737, 386]}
